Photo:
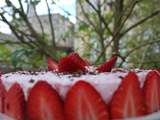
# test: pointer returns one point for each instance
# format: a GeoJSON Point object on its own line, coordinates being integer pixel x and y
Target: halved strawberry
{"type": "Point", "coordinates": [15, 102]}
{"type": "Point", "coordinates": [2, 96]}
{"type": "Point", "coordinates": [44, 103]}
{"type": "Point", "coordinates": [152, 92]}
{"type": "Point", "coordinates": [79, 59]}
{"type": "Point", "coordinates": [158, 70]}
{"type": "Point", "coordinates": [108, 65]}
{"type": "Point", "coordinates": [83, 102]}
{"type": "Point", "coordinates": [128, 100]}
{"type": "Point", "coordinates": [52, 65]}
{"type": "Point", "coordinates": [72, 63]}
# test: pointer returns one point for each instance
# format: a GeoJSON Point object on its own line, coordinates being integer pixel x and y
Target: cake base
{"type": "Point", "coordinates": [102, 82]}
{"type": "Point", "coordinates": [153, 116]}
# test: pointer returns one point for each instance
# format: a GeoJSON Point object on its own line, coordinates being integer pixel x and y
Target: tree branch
{"type": "Point", "coordinates": [39, 20]}
{"type": "Point", "coordinates": [21, 6]}
{"type": "Point", "coordinates": [32, 31]}
{"type": "Point", "coordinates": [24, 17]}
{"type": "Point", "coordinates": [30, 37]}
{"type": "Point", "coordinates": [141, 22]}
{"type": "Point", "coordinates": [87, 17]}
{"type": "Point", "coordinates": [101, 17]}
{"type": "Point", "coordinates": [101, 31]}
{"type": "Point", "coordinates": [68, 13]}
{"type": "Point", "coordinates": [118, 13]}
{"type": "Point", "coordinates": [21, 38]}
{"type": "Point", "coordinates": [141, 46]}
{"type": "Point", "coordinates": [103, 52]}
{"type": "Point", "coordinates": [137, 48]}
{"type": "Point", "coordinates": [9, 42]}
{"type": "Point", "coordinates": [51, 24]}
{"type": "Point", "coordinates": [131, 8]}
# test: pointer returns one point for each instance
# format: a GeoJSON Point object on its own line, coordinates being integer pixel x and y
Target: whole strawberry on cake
{"type": "Point", "coordinates": [72, 89]}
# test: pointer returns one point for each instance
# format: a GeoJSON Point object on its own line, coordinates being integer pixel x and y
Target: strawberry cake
{"type": "Point", "coordinates": [72, 89]}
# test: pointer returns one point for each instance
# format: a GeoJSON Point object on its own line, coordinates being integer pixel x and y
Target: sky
{"type": "Point", "coordinates": [61, 5]}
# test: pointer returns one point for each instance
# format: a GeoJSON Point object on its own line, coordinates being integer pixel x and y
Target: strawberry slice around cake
{"type": "Point", "coordinates": [152, 92]}
{"type": "Point", "coordinates": [15, 102]}
{"type": "Point", "coordinates": [2, 97]}
{"type": "Point", "coordinates": [44, 103]}
{"type": "Point", "coordinates": [128, 100]}
{"type": "Point", "coordinates": [86, 103]}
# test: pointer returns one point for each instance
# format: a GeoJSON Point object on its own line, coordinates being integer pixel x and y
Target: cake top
{"type": "Point", "coordinates": [52, 76]}
{"type": "Point", "coordinates": [68, 71]}
{"type": "Point", "coordinates": [60, 81]}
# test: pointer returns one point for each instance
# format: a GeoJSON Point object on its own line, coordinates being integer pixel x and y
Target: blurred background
{"type": "Point", "coordinates": [32, 30]}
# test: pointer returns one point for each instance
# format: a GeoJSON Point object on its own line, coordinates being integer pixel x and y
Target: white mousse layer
{"type": "Point", "coordinates": [105, 83]}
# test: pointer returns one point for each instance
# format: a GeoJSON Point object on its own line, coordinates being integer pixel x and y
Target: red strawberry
{"type": "Point", "coordinates": [128, 100]}
{"type": "Point", "coordinates": [108, 65]}
{"type": "Point", "coordinates": [79, 59]}
{"type": "Point", "coordinates": [72, 63]}
{"type": "Point", "coordinates": [15, 102]}
{"type": "Point", "coordinates": [44, 103]}
{"type": "Point", "coordinates": [152, 92]}
{"type": "Point", "coordinates": [83, 102]}
{"type": "Point", "coordinates": [2, 96]}
{"type": "Point", "coordinates": [52, 65]}
{"type": "Point", "coordinates": [158, 70]}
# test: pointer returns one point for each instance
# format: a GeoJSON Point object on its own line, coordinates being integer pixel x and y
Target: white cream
{"type": "Point", "coordinates": [105, 83]}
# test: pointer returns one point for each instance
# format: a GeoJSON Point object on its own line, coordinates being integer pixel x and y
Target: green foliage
{"type": "Point", "coordinates": [20, 58]}
{"type": "Point", "coordinates": [26, 58]}
{"type": "Point", "coordinates": [31, 46]}
{"type": "Point", "coordinates": [4, 54]}
{"type": "Point", "coordinates": [133, 45]}
{"type": "Point", "coordinates": [146, 56]}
